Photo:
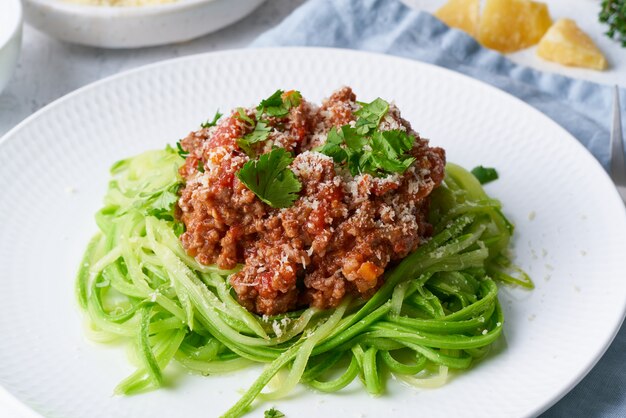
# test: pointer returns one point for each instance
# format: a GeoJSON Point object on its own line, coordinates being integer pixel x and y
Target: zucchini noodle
{"type": "Point", "coordinates": [437, 311]}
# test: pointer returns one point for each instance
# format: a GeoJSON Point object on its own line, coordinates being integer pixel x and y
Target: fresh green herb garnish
{"type": "Point", "coordinates": [613, 13]}
{"type": "Point", "coordinates": [333, 145]}
{"type": "Point", "coordinates": [389, 151]}
{"type": "Point", "coordinates": [485, 174]}
{"type": "Point", "coordinates": [270, 178]}
{"type": "Point", "coordinates": [277, 106]}
{"type": "Point", "coordinates": [275, 100]}
{"type": "Point", "coordinates": [242, 115]}
{"type": "Point", "coordinates": [370, 115]}
{"type": "Point", "coordinates": [213, 122]}
{"type": "Point", "coordinates": [365, 149]}
{"type": "Point", "coordinates": [273, 413]}
{"type": "Point", "coordinates": [261, 133]}
{"type": "Point", "coordinates": [200, 166]}
{"type": "Point", "coordinates": [161, 205]}
{"type": "Point", "coordinates": [181, 151]}
{"type": "Point", "coordinates": [203, 125]}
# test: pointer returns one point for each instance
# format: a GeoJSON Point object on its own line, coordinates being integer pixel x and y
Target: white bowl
{"type": "Point", "coordinates": [10, 38]}
{"type": "Point", "coordinates": [132, 27]}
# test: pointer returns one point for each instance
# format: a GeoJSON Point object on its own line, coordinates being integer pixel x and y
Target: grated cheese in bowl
{"type": "Point", "coordinates": [120, 2]}
{"type": "Point", "coordinates": [133, 23]}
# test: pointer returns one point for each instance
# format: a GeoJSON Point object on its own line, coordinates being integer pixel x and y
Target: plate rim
{"type": "Point", "coordinates": [24, 408]}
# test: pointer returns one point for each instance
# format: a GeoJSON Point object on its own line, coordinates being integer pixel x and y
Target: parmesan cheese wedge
{"type": "Point", "coordinates": [461, 14]}
{"type": "Point", "coordinates": [511, 25]}
{"type": "Point", "coordinates": [567, 44]}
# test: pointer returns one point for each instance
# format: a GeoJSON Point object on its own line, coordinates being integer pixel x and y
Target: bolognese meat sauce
{"type": "Point", "coordinates": [337, 237]}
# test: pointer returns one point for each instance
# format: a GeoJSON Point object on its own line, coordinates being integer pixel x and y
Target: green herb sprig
{"type": "Point", "coordinates": [260, 134]}
{"type": "Point", "coordinates": [273, 413]}
{"type": "Point", "coordinates": [365, 149]}
{"type": "Point", "coordinates": [485, 174]}
{"type": "Point", "coordinates": [270, 178]}
{"type": "Point", "coordinates": [280, 103]}
{"type": "Point", "coordinates": [212, 122]}
{"type": "Point", "coordinates": [207, 124]}
{"type": "Point", "coordinates": [179, 149]}
{"type": "Point", "coordinates": [613, 13]}
{"type": "Point", "coordinates": [277, 105]}
{"type": "Point", "coordinates": [162, 204]}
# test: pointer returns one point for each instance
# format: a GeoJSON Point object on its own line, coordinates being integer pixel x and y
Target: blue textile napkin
{"type": "Point", "coordinates": [582, 108]}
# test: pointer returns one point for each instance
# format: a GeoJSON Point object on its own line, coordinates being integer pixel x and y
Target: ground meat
{"type": "Point", "coordinates": [339, 235]}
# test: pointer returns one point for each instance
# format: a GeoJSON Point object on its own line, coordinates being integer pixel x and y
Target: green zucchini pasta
{"type": "Point", "coordinates": [437, 310]}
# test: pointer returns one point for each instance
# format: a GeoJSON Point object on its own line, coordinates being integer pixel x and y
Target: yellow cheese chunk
{"type": "Point", "coordinates": [461, 14]}
{"type": "Point", "coordinates": [567, 44]}
{"type": "Point", "coordinates": [511, 25]}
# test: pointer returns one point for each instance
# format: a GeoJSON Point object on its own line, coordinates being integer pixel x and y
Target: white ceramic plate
{"type": "Point", "coordinates": [134, 26]}
{"type": "Point", "coordinates": [571, 233]}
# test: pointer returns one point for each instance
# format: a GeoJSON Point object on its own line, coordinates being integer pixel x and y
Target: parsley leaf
{"type": "Point", "coordinates": [242, 115]}
{"type": "Point", "coordinates": [179, 228]}
{"type": "Point", "coordinates": [337, 137]}
{"type": "Point", "coordinates": [365, 149]}
{"type": "Point", "coordinates": [292, 98]}
{"type": "Point", "coordinates": [273, 413]}
{"type": "Point", "coordinates": [213, 122]}
{"type": "Point", "coordinates": [388, 151]}
{"type": "Point", "coordinates": [370, 115]}
{"type": "Point", "coordinates": [270, 179]}
{"type": "Point", "coordinates": [353, 139]}
{"type": "Point", "coordinates": [261, 133]}
{"type": "Point", "coordinates": [162, 204]}
{"type": "Point", "coordinates": [613, 14]}
{"type": "Point", "coordinates": [277, 105]}
{"type": "Point", "coordinates": [332, 147]}
{"type": "Point", "coordinates": [203, 125]}
{"type": "Point", "coordinates": [181, 151]}
{"type": "Point", "coordinates": [398, 140]}
{"type": "Point", "coordinates": [275, 100]}
{"type": "Point", "coordinates": [485, 174]}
